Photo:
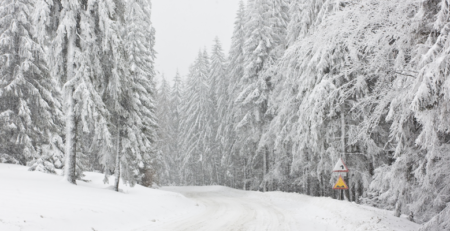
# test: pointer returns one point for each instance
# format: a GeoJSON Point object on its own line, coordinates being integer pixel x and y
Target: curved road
{"type": "Point", "coordinates": [228, 209]}
{"type": "Point", "coordinates": [225, 209]}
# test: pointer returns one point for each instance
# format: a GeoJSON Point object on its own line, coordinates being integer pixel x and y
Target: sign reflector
{"type": "Point", "coordinates": [340, 184]}
{"type": "Point", "coordinates": [340, 166]}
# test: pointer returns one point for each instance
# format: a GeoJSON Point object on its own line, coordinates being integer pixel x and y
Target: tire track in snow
{"type": "Point", "coordinates": [230, 210]}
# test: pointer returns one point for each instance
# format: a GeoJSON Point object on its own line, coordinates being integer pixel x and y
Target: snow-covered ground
{"type": "Point", "coordinates": [38, 201]}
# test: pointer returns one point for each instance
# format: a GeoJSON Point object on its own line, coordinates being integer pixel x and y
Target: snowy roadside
{"type": "Point", "coordinates": [312, 213]}
{"type": "Point", "coordinates": [38, 201]}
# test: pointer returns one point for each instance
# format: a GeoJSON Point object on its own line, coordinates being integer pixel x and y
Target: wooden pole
{"type": "Point", "coordinates": [343, 155]}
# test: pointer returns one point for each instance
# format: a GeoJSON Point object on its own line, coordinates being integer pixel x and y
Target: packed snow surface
{"type": "Point", "coordinates": [38, 201]}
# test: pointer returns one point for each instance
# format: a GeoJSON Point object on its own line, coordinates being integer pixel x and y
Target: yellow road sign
{"type": "Point", "coordinates": [340, 184]}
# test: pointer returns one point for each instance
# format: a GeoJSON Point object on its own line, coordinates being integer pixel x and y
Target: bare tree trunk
{"type": "Point", "coordinates": [357, 192]}
{"type": "Point", "coordinates": [343, 134]}
{"type": "Point", "coordinates": [264, 169]}
{"type": "Point", "coordinates": [245, 175]}
{"type": "Point", "coordinates": [216, 167]}
{"type": "Point", "coordinates": [71, 140]}
{"type": "Point", "coordinates": [398, 208]}
{"type": "Point", "coordinates": [322, 188]}
{"type": "Point", "coordinates": [117, 170]}
{"type": "Point", "coordinates": [234, 177]}
{"type": "Point", "coordinates": [194, 175]}
{"type": "Point", "coordinates": [71, 128]}
{"type": "Point", "coordinates": [203, 172]}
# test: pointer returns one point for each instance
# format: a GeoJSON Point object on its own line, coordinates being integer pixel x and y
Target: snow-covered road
{"type": "Point", "coordinates": [226, 209]}
{"type": "Point", "coordinates": [34, 201]}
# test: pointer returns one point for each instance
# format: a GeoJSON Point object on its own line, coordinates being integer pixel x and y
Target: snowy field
{"type": "Point", "coordinates": [38, 201]}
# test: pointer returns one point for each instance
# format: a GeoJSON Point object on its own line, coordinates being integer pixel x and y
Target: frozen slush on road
{"type": "Point", "coordinates": [37, 201]}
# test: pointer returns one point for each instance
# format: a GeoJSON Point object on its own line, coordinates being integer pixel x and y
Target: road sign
{"type": "Point", "coordinates": [340, 166]}
{"type": "Point", "coordinates": [340, 184]}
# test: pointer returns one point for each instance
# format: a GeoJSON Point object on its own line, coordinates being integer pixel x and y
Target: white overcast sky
{"type": "Point", "coordinates": [183, 27]}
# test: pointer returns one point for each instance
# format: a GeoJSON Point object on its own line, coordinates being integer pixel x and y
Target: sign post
{"type": "Point", "coordinates": [340, 185]}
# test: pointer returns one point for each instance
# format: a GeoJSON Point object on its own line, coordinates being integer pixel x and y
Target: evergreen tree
{"type": "Point", "coordinates": [196, 130]}
{"type": "Point", "coordinates": [165, 139]}
{"type": "Point", "coordinates": [232, 161]}
{"type": "Point", "coordinates": [265, 32]}
{"type": "Point", "coordinates": [30, 108]}
{"type": "Point", "coordinates": [175, 129]}
{"type": "Point", "coordinates": [219, 96]}
{"type": "Point", "coordinates": [293, 27]}
{"type": "Point", "coordinates": [75, 29]}
{"type": "Point", "coordinates": [134, 108]}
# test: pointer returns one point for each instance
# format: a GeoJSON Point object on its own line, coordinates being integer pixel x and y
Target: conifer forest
{"type": "Point", "coordinates": [304, 83]}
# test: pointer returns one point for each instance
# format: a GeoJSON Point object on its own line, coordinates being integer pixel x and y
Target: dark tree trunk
{"type": "Point", "coordinates": [117, 169]}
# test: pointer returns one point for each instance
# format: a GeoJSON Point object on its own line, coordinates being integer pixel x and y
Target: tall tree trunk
{"type": "Point", "coordinates": [264, 169]}
{"type": "Point", "coordinates": [321, 186]}
{"type": "Point", "coordinates": [203, 172]}
{"type": "Point", "coordinates": [245, 175]}
{"type": "Point", "coordinates": [343, 134]}
{"type": "Point", "coordinates": [117, 170]}
{"type": "Point", "coordinates": [214, 176]}
{"type": "Point", "coordinates": [398, 208]}
{"type": "Point", "coordinates": [71, 129]}
{"type": "Point", "coordinates": [357, 194]}
{"type": "Point", "coordinates": [234, 177]}
{"type": "Point", "coordinates": [217, 166]}
{"type": "Point", "coordinates": [194, 174]}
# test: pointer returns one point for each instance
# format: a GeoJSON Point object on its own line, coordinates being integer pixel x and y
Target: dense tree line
{"type": "Point", "coordinates": [76, 87]}
{"type": "Point", "coordinates": [307, 82]}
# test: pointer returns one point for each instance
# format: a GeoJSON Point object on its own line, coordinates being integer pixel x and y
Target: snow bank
{"type": "Point", "coordinates": [38, 201]}
{"type": "Point", "coordinates": [323, 213]}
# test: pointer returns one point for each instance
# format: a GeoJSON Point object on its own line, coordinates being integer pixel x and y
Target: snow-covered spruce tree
{"type": "Point", "coordinates": [291, 155]}
{"type": "Point", "coordinates": [413, 179]}
{"type": "Point", "coordinates": [195, 124]}
{"type": "Point", "coordinates": [165, 139]}
{"type": "Point", "coordinates": [278, 19]}
{"type": "Point", "coordinates": [211, 145]}
{"type": "Point", "coordinates": [295, 161]}
{"type": "Point", "coordinates": [319, 83]}
{"type": "Point", "coordinates": [73, 51]}
{"type": "Point", "coordinates": [175, 129]}
{"type": "Point", "coordinates": [131, 87]}
{"type": "Point", "coordinates": [88, 52]}
{"type": "Point", "coordinates": [118, 98]}
{"type": "Point", "coordinates": [265, 31]}
{"type": "Point", "coordinates": [294, 27]}
{"type": "Point", "coordinates": [52, 156]}
{"type": "Point", "coordinates": [219, 94]}
{"type": "Point", "coordinates": [30, 108]}
{"type": "Point", "coordinates": [373, 78]}
{"type": "Point", "coordinates": [274, 136]}
{"type": "Point", "coordinates": [102, 31]}
{"type": "Point", "coordinates": [428, 97]}
{"type": "Point", "coordinates": [232, 160]}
